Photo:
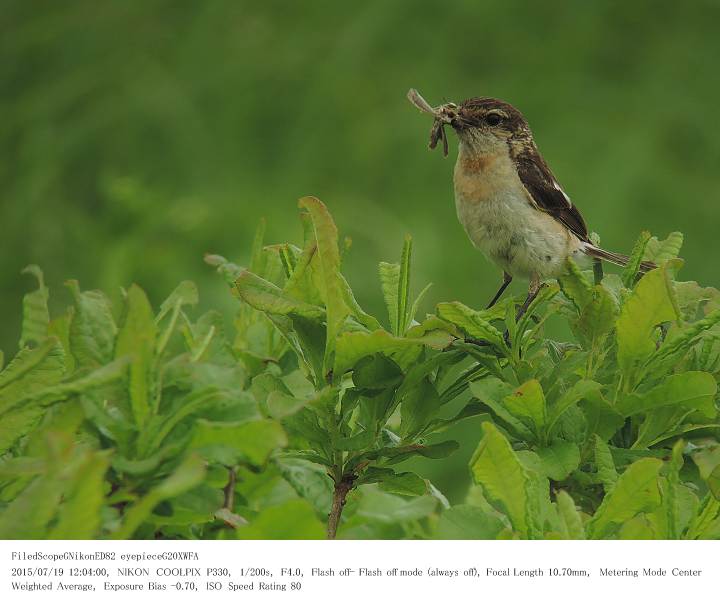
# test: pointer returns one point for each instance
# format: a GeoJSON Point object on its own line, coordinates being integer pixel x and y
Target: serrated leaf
{"type": "Point", "coordinates": [708, 462]}
{"type": "Point", "coordinates": [268, 297]}
{"type": "Point", "coordinates": [605, 465]}
{"type": "Point", "coordinates": [527, 403]}
{"type": "Point", "coordinates": [471, 322]}
{"type": "Point", "coordinates": [577, 392]}
{"type": "Point", "coordinates": [79, 515]}
{"type": "Point", "coordinates": [631, 269]}
{"type": "Point", "coordinates": [31, 370]}
{"type": "Point", "coordinates": [667, 249]}
{"type": "Point", "coordinates": [36, 318]}
{"type": "Point", "coordinates": [390, 283]}
{"type": "Point", "coordinates": [636, 491]}
{"type": "Point", "coordinates": [497, 469]}
{"type": "Point", "coordinates": [328, 271]}
{"type": "Point", "coordinates": [597, 317]}
{"type": "Point", "coordinates": [404, 286]}
{"type": "Point", "coordinates": [136, 340]}
{"type": "Point", "coordinates": [569, 516]}
{"type": "Point", "coordinates": [650, 304]}
{"type": "Point", "coordinates": [692, 390]}
{"type": "Point", "coordinates": [491, 392]}
{"type": "Point", "coordinates": [92, 330]}
{"type": "Point", "coordinates": [671, 497]}
{"type": "Point", "coordinates": [575, 286]}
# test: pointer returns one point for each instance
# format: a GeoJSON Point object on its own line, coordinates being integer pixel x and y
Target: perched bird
{"type": "Point", "coordinates": [507, 199]}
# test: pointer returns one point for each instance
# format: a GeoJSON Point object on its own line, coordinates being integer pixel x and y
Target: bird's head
{"type": "Point", "coordinates": [483, 123]}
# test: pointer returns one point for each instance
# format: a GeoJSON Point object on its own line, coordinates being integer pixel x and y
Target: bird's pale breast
{"type": "Point", "coordinates": [498, 216]}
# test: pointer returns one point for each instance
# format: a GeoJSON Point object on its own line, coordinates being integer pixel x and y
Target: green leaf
{"type": "Point", "coordinates": [706, 517]}
{"type": "Point", "coordinates": [496, 467]}
{"type": "Point", "coordinates": [36, 318]}
{"type": "Point", "coordinates": [401, 453]}
{"type": "Point", "coordinates": [491, 391]}
{"type": "Point", "coordinates": [386, 508]}
{"type": "Point", "coordinates": [402, 483]}
{"type": "Point", "coordinates": [376, 372]}
{"type": "Point", "coordinates": [559, 459]}
{"type": "Point", "coordinates": [692, 390]}
{"type": "Point", "coordinates": [404, 286]}
{"type": "Point", "coordinates": [671, 497]}
{"type": "Point", "coordinates": [92, 330]}
{"type": "Point", "coordinates": [27, 516]}
{"type": "Point", "coordinates": [390, 283]}
{"type": "Point", "coordinates": [31, 370]}
{"type": "Point", "coordinates": [602, 418]}
{"type": "Point", "coordinates": [631, 269]}
{"type": "Point", "coordinates": [309, 480]}
{"type": "Point", "coordinates": [418, 407]}
{"type": "Point", "coordinates": [230, 443]}
{"type": "Point", "coordinates": [416, 304]}
{"type": "Point", "coordinates": [597, 317]}
{"type": "Point", "coordinates": [649, 305]}
{"type": "Point", "coordinates": [293, 519]}
{"type": "Point", "coordinates": [577, 392]}
{"type": "Point", "coordinates": [575, 286]}
{"type": "Point", "coordinates": [660, 252]}
{"type": "Point", "coordinates": [188, 474]}
{"type": "Point", "coordinates": [468, 522]}
{"type": "Point", "coordinates": [79, 516]}
{"type": "Point", "coordinates": [708, 462]}
{"type": "Point", "coordinates": [268, 297]}
{"type": "Point", "coordinates": [569, 516]}
{"type": "Point", "coordinates": [136, 339]}
{"type": "Point", "coordinates": [474, 323]}
{"type": "Point", "coordinates": [636, 491]}
{"type": "Point", "coordinates": [185, 294]}
{"type": "Point", "coordinates": [353, 346]}
{"type": "Point", "coordinates": [328, 271]}
{"type": "Point", "coordinates": [527, 402]}
{"type": "Point", "coordinates": [606, 471]}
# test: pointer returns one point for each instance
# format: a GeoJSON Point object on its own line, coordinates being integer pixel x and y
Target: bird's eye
{"type": "Point", "coordinates": [493, 119]}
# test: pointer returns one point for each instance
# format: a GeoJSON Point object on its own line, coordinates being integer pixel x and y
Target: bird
{"type": "Point", "coordinates": [507, 199]}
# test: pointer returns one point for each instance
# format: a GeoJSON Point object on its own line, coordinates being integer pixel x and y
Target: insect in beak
{"type": "Point", "coordinates": [442, 115]}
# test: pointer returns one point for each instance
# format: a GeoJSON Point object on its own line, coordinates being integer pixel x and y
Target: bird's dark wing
{"type": "Point", "coordinates": [546, 194]}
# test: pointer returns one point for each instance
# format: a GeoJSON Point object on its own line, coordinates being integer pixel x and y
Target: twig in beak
{"type": "Point", "coordinates": [419, 102]}
{"type": "Point", "coordinates": [441, 115]}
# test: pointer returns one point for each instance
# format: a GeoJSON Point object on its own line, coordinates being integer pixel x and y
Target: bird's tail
{"type": "Point", "coordinates": [619, 259]}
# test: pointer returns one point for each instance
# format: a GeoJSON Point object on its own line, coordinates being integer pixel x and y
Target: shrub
{"type": "Point", "coordinates": [292, 424]}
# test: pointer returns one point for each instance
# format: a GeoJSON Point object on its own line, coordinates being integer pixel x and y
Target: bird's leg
{"type": "Point", "coordinates": [507, 278]}
{"type": "Point", "coordinates": [535, 286]}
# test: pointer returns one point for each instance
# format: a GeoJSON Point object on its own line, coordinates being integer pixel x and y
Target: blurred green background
{"type": "Point", "coordinates": [135, 136]}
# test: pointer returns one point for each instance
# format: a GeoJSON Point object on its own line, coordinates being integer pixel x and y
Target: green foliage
{"type": "Point", "coordinates": [308, 417]}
